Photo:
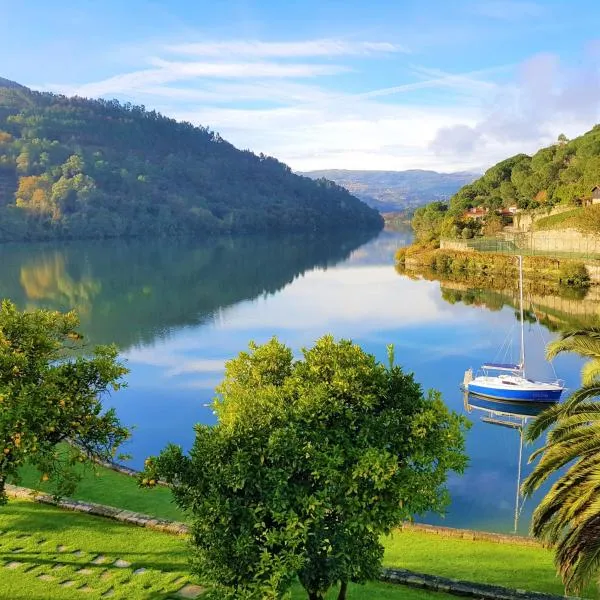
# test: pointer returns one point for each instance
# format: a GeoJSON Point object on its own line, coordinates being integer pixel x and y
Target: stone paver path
{"type": "Point", "coordinates": [90, 575]}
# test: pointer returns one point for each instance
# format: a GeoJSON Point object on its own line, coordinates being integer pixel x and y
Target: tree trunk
{"type": "Point", "coordinates": [343, 590]}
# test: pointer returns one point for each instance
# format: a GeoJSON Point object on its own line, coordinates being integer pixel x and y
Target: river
{"type": "Point", "coordinates": [179, 309]}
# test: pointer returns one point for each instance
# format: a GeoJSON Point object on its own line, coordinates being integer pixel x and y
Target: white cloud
{"type": "Point", "coordinates": [244, 70]}
{"type": "Point", "coordinates": [174, 359]}
{"type": "Point", "coordinates": [170, 71]}
{"type": "Point", "coordinates": [257, 95]}
{"type": "Point", "coordinates": [351, 301]}
{"type": "Point", "coordinates": [256, 48]}
{"type": "Point", "coordinates": [546, 99]}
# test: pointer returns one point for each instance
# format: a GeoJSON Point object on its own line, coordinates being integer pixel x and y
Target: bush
{"type": "Point", "coordinates": [574, 274]}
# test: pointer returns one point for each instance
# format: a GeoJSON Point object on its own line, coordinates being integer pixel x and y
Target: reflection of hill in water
{"type": "Point", "coordinates": [557, 309]}
{"type": "Point", "coordinates": [380, 250]}
{"type": "Point", "coordinates": [131, 291]}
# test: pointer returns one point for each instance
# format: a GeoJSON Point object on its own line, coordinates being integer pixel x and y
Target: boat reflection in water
{"type": "Point", "coordinates": [513, 415]}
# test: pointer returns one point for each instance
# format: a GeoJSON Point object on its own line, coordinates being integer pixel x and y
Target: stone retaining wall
{"type": "Point", "coordinates": [101, 510]}
{"type": "Point", "coordinates": [460, 588]}
{"type": "Point", "coordinates": [471, 534]}
{"type": "Point", "coordinates": [561, 240]}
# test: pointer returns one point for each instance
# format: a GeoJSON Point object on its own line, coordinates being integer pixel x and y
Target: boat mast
{"type": "Point", "coordinates": [518, 505]}
{"type": "Point", "coordinates": [522, 357]}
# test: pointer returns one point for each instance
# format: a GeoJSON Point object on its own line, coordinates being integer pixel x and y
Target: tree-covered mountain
{"type": "Point", "coordinates": [392, 191]}
{"type": "Point", "coordinates": [563, 173]}
{"type": "Point", "coordinates": [80, 168]}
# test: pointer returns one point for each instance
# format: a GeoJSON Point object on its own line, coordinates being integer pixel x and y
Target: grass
{"type": "Point", "coordinates": [40, 537]}
{"type": "Point", "coordinates": [106, 486]}
{"type": "Point", "coordinates": [559, 221]}
{"type": "Point", "coordinates": [510, 565]}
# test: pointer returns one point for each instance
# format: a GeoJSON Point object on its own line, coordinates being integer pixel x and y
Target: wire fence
{"type": "Point", "coordinates": [554, 244]}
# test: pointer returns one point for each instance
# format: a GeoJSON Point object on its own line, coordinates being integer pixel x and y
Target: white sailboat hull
{"type": "Point", "coordinates": [515, 387]}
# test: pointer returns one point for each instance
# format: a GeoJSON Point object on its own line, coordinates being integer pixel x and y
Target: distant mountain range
{"type": "Point", "coordinates": [392, 191]}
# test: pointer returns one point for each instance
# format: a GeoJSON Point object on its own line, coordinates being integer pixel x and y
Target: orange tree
{"type": "Point", "coordinates": [49, 395]}
{"type": "Point", "coordinates": [310, 462]}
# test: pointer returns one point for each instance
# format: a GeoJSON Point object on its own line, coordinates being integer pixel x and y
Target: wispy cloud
{"type": "Point", "coordinates": [291, 100]}
{"type": "Point", "coordinates": [526, 113]}
{"type": "Point", "coordinates": [172, 71]}
{"type": "Point", "coordinates": [260, 49]}
{"type": "Point", "coordinates": [435, 78]}
{"type": "Point", "coordinates": [245, 70]}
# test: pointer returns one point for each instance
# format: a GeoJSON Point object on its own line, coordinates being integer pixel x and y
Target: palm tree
{"type": "Point", "coordinates": [568, 517]}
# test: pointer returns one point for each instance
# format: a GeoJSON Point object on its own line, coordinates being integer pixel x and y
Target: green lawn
{"type": "Point", "coordinates": [486, 562]}
{"type": "Point", "coordinates": [105, 486]}
{"type": "Point", "coordinates": [514, 566]}
{"type": "Point", "coordinates": [36, 539]}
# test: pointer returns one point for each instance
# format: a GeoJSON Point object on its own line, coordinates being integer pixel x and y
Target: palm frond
{"type": "Point", "coordinates": [585, 392]}
{"type": "Point", "coordinates": [582, 341]}
{"type": "Point", "coordinates": [578, 554]}
{"type": "Point", "coordinates": [545, 419]}
{"type": "Point", "coordinates": [556, 456]}
{"type": "Point", "coordinates": [590, 371]}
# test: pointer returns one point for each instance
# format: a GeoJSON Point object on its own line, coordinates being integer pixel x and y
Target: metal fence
{"type": "Point", "coordinates": [536, 243]}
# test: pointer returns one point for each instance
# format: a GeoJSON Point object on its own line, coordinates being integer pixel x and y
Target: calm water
{"type": "Point", "coordinates": [178, 310]}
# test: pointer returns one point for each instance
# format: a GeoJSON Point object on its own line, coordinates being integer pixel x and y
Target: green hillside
{"type": "Point", "coordinates": [563, 173]}
{"type": "Point", "coordinates": [80, 168]}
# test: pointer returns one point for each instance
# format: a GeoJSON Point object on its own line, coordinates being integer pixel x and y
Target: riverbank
{"type": "Point", "coordinates": [497, 268]}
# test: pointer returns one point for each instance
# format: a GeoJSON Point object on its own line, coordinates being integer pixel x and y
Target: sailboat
{"type": "Point", "coordinates": [509, 381]}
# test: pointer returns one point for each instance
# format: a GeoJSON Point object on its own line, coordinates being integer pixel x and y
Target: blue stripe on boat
{"type": "Point", "coordinates": [506, 394]}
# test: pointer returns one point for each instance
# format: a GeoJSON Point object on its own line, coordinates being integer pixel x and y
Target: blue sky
{"type": "Point", "coordinates": [373, 84]}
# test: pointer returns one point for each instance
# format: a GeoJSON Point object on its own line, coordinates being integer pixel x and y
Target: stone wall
{"type": "Point", "coordinates": [101, 510]}
{"type": "Point", "coordinates": [460, 245]}
{"type": "Point", "coordinates": [471, 534]}
{"type": "Point", "coordinates": [523, 221]}
{"type": "Point", "coordinates": [457, 587]}
{"type": "Point", "coordinates": [561, 240]}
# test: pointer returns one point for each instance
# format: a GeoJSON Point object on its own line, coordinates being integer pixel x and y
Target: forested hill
{"type": "Point", "coordinates": [392, 191]}
{"type": "Point", "coordinates": [563, 173]}
{"type": "Point", "coordinates": [79, 168]}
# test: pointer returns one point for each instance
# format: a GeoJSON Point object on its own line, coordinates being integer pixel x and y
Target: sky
{"type": "Point", "coordinates": [320, 84]}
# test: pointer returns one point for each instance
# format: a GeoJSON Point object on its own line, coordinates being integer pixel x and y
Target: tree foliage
{"type": "Point", "coordinates": [311, 461]}
{"type": "Point", "coordinates": [49, 396]}
{"type": "Point", "coordinates": [568, 517]}
{"type": "Point", "coordinates": [563, 173]}
{"type": "Point", "coordinates": [80, 168]}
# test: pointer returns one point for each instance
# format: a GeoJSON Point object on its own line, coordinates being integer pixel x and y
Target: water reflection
{"type": "Point", "coordinates": [179, 310]}
{"type": "Point", "coordinates": [132, 292]}
{"type": "Point", "coordinates": [509, 415]}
